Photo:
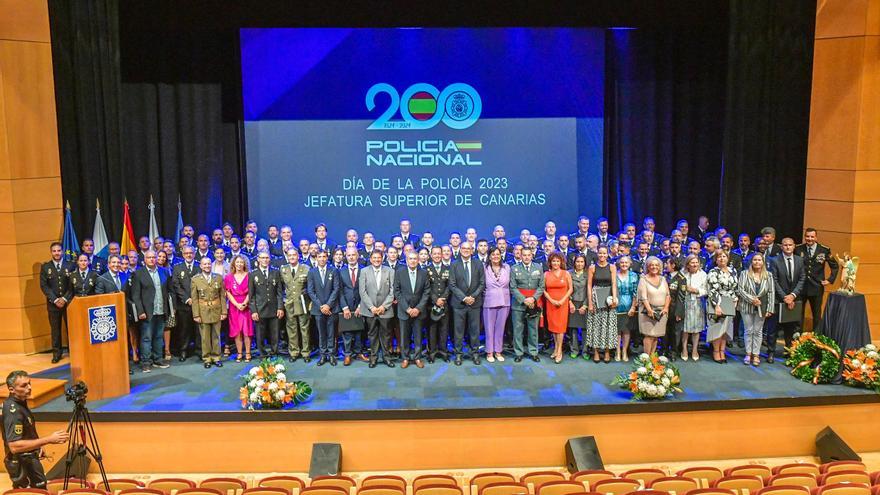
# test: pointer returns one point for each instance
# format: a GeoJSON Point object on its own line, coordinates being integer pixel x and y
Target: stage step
{"type": "Point", "coordinates": [42, 391]}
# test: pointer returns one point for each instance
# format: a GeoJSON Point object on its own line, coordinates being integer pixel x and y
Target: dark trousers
{"type": "Point", "coordinates": [411, 335]}
{"type": "Point", "coordinates": [25, 471]}
{"type": "Point", "coordinates": [815, 303]}
{"type": "Point", "coordinates": [738, 328]}
{"type": "Point", "coordinates": [379, 333]}
{"type": "Point", "coordinates": [352, 344]}
{"type": "Point", "coordinates": [773, 327]}
{"type": "Point", "coordinates": [186, 329]}
{"type": "Point", "coordinates": [670, 340]}
{"type": "Point", "coordinates": [267, 328]}
{"type": "Point", "coordinates": [467, 321]}
{"type": "Point", "coordinates": [56, 315]}
{"type": "Point", "coordinates": [326, 334]}
{"type": "Point", "coordinates": [152, 339]}
{"type": "Point", "coordinates": [438, 335]}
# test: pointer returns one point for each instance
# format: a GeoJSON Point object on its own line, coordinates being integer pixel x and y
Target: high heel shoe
{"type": "Point", "coordinates": [684, 356]}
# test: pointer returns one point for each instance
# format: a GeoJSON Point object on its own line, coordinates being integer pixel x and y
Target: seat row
{"type": "Point", "coordinates": [750, 479]}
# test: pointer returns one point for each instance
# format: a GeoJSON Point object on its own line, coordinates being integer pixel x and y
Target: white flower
{"type": "Point", "coordinates": [642, 370]}
{"type": "Point", "coordinates": [856, 363]}
{"type": "Point", "coordinates": [279, 367]}
{"type": "Point", "coordinates": [254, 370]}
{"type": "Point", "coordinates": [870, 347]}
{"type": "Point", "coordinates": [661, 390]}
{"type": "Point", "coordinates": [873, 354]}
{"type": "Point", "coordinates": [252, 384]}
{"type": "Point", "coordinates": [281, 377]}
{"type": "Point", "coordinates": [273, 386]}
{"type": "Point", "coordinates": [643, 356]}
{"type": "Point", "coordinates": [664, 359]}
{"type": "Point", "coordinates": [260, 382]}
{"type": "Point", "coordinates": [642, 386]}
{"type": "Point", "coordinates": [670, 373]}
{"type": "Point", "coordinates": [280, 394]}
{"type": "Point", "coordinates": [665, 381]}
{"type": "Point", "coordinates": [652, 390]}
{"type": "Point", "coordinates": [864, 367]}
{"type": "Point", "coordinates": [255, 397]}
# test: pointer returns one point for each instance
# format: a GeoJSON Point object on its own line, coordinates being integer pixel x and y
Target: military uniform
{"type": "Point", "coordinates": [24, 468]}
{"type": "Point", "coordinates": [55, 283]}
{"type": "Point", "coordinates": [531, 279]}
{"type": "Point", "coordinates": [296, 307]}
{"type": "Point", "coordinates": [438, 324]}
{"type": "Point", "coordinates": [814, 266]}
{"type": "Point", "coordinates": [181, 287]}
{"type": "Point", "coordinates": [266, 299]}
{"type": "Point", "coordinates": [209, 304]}
{"type": "Point", "coordinates": [83, 285]}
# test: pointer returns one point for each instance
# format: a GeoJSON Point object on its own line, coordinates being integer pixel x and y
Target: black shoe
{"type": "Point", "coordinates": [333, 361]}
{"type": "Point", "coordinates": [182, 358]}
{"type": "Point", "coordinates": [207, 364]}
{"type": "Point", "coordinates": [307, 359]}
{"type": "Point", "coordinates": [218, 364]}
{"type": "Point", "coordinates": [770, 358]}
{"type": "Point", "coordinates": [389, 363]}
{"type": "Point", "coordinates": [322, 361]}
{"type": "Point", "coordinates": [430, 359]}
{"type": "Point", "coordinates": [130, 371]}
{"type": "Point", "coordinates": [458, 360]}
{"type": "Point", "coordinates": [445, 358]}
{"type": "Point", "coordinates": [535, 358]}
{"type": "Point", "coordinates": [161, 364]}
{"type": "Point", "coordinates": [517, 359]}
{"type": "Point", "coordinates": [291, 359]}
{"type": "Point", "coordinates": [372, 364]}
{"type": "Point", "coordinates": [477, 360]}
{"type": "Point", "coordinates": [56, 357]}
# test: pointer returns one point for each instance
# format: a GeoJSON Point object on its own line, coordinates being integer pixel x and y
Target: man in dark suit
{"type": "Point", "coordinates": [438, 321]}
{"type": "Point", "coordinates": [323, 290]}
{"type": "Point", "coordinates": [410, 291]}
{"type": "Point", "coordinates": [266, 303]}
{"type": "Point", "coordinates": [55, 284]}
{"type": "Point", "coordinates": [702, 228]}
{"type": "Point", "coordinates": [83, 279]}
{"type": "Point", "coordinates": [467, 282]}
{"type": "Point", "coordinates": [816, 256]}
{"type": "Point", "coordinates": [789, 277]}
{"type": "Point", "coordinates": [96, 263]}
{"type": "Point", "coordinates": [583, 228]}
{"type": "Point", "coordinates": [149, 293]}
{"type": "Point", "coordinates": [350, 301]}
{"type": "Point", "coordinates": [580, 247]}
{"type": "Point", "coordinates": [406, 233]}
{"type": "Point", "coordinates": [321, 239]}
{"type": "Point", "coordinates": [181, 288]}
{"type": "Point", "coordinates": [110, 282]}
{"type": "Point", "coordinates": [768, 235]}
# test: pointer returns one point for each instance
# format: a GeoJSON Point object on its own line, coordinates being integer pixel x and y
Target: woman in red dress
{"type": "Point", "coordinates": [557, 292]}
{"type": "Point", "coordinates": [241, 325]}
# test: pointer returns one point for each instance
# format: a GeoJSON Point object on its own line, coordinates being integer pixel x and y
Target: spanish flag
{"type": "Point", "coordinates": [127, 243]}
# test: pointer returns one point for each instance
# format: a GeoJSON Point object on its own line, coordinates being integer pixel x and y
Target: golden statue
{"type": "Point", "coordinates": [850, 265]}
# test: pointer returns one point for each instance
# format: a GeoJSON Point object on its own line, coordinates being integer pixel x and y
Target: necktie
{"type": "Point", "coordinates": [412, 280]}
{"type": "Point", "coordinates": [116, 279]}
{"type": "Point", "coordinates": [266, 275]}
{"type": "Point", "coordinates": [467, 273]}
{"type": "Point", "coordinates": [354, 276]}
{"type": "Point", "coordinates": [189, 267]}
{"type": "Point", "coordinates": [321, 271]}
{"type": "Point", "coordinates": [58, 266]}
{"type": "Point", "coordinates": [790, 271]}
{"type": "Point", "coordinates": [378, 278]}
{"type": "Point", "coordinates": [83, 276]}
{"type": "Point", "coordinates": [812, 250]}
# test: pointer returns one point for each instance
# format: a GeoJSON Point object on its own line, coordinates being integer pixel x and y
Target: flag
{"type": "Point", "coordinates": [154, 228]}
{"type": "Point", "coordinates": [179, 222]}
{"type": "Point", "coordinates": [99, 235]}
{"type": "Point", "coordinates": [69, 242]}
{"type": "Point", "coordinates": [127, 242]}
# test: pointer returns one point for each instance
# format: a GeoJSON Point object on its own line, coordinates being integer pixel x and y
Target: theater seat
{"type": "Point", "coordinates": [288, 483]}
{"type": "Point", "coordinates": [742, 484]}
{"type": "Point", "coordinates": [339, 481]}
{"type": "Point", "coordinates": [560, 487]}
{"type": "Point", "coordinates": [83, 491]}
{"type": "Point", "coordinates": [704, 475]}
{"type": "Point", "coordinates": [841, 489]}
{"type": "Point", "coordinates": [384, 480]}
{"type": "Point", "coordinates": [678, 484]}
{"type": "Point", "coordinates": [645, 475]}
{"type": "Point", "coordinates": [116, 484]}
{"type": "Point", "coordinates": [842, 466]}
{"type": "Point", "coordinates": [504, 488]}
{"type": "Point", "coordinates": [616, 486]}
{"type": "Point", "coordinates": [758, 470]}
{"type": "Point", "coordinates": [794, 479]}
{"type": "Point", "coordinates": [538, 478]}
{"type": "Point", "coordinates": [797, 468]}
{"type": "Point", "coordinates": [481, 480]}
{"type": "Point", "coordinates": [381, 490]}
{"type": "Point", "coordinates": [26, 491]}
{"type": "Point", "coordinates": [848, 476]}
{"type": "Point", "coordinates": [324, 490]}
{"type": "Point", "coordinates": [224, 485]}
{"type": "Point", "coordinates": [167, 485]}
{"type": "Point", "coordinates": [141, 491]}
{"type": "Point", "coordinates": [591, 476]}
{"type": "Point", "coordinates": [437, 490]}
{"type": "Point", "coordinates": [784, 490]}
{"type": "Point", "coordinates": [265, 490]}
{"type": "Point", "coordinates": [433, 480]}
{"type": "Point", "coordinates": [56, 485]}
{"type": "Point", "coordinates": [200, 491]}
{"type": "Point", "coordinates": [712, 491]}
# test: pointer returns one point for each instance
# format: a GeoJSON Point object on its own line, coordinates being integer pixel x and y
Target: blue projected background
{"type": "Point", "coordinates": [451, 128]}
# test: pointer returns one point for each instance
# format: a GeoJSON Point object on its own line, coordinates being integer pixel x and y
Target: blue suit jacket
{"type": "Point", "coordinates": [323, 292]}
{"type": "Point", "coordinates": [349, 295]}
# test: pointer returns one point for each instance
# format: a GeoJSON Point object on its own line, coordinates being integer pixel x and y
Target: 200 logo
{"type": "Point", "coordinates": [422, 106]}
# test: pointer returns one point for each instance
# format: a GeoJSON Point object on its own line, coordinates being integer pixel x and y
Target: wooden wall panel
{"type": "Point", "coordinates": [869, 123]}
{"type": "Point", "coordinates": [835, 101]}
{"type": "Point", "coordinates": [839, 18]}
{"type": "Point", "coordinates": [24, 20]}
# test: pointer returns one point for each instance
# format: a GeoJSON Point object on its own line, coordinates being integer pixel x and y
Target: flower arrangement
{"type": "Point", "coordinates": [814, 358]}
{"type": "Point", "coordinates": [653, 377]}
{"type": "Point", "coordinates": [266, 387]}
{"type": "Point", "coordinates": [860, 368]}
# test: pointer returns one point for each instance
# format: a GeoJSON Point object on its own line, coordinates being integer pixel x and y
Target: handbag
{"type": "Point", "coordinates": [171, 321]}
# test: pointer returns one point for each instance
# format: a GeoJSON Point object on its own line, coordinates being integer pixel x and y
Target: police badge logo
{"type": "Point", "coordinates": [102, 324]}
{"type": "Point", "coordinates": [19, 429]}
{"type": "Point", "coordinates": [459, 106]}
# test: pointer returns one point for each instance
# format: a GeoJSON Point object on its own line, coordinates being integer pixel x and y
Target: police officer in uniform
{"type": "Point", "coordinates": [83, 280]}
{"type": "Point", "coordinates": [20, 439]}
{"type": "Point", "coordinates": [55, 284]}
{"type": "Point", "coordinates": [816, 256]}
{"type": "Point", "coordinates": [266, 303]}
{"type": "Point", "coordinates": [438, 309]}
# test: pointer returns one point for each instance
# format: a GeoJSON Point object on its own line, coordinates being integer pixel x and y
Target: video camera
{"type": "Point", "coordinates": [77, 393]}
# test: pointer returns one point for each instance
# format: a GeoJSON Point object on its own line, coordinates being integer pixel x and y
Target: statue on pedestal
{"type": "Point", "coordinates": [850, 265]}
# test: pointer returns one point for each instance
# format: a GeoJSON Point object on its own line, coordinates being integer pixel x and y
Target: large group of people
{"type": "Point", "coordinates": [596, 295]}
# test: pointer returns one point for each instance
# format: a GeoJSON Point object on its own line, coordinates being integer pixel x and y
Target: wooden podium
{"type": "Point", "coordinates": [98, 335]}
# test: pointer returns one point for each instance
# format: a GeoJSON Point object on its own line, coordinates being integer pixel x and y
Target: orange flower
{"type": "Point", "coordinates": [259, 372]}
{"type": "Point", "coordinates": [633, 375]}
{"type": "Point", "coordinates": [271, 370]}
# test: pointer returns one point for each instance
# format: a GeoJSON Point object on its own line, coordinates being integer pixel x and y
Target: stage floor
{"type": "Point", "coordinates": [442, 390]}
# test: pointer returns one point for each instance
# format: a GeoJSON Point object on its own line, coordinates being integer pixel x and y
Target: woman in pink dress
{"type": "Point", "coordinates": [240, 323]}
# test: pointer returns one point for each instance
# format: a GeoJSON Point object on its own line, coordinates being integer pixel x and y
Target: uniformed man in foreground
{"type": "Point", "coordinates": [208, 310]}
{"type": "Point", "coordinates": [55, 284]}
{"type": "Point", "coordinates": [294, 276]}
{"type": "Point", "coordinates": [20, 440]}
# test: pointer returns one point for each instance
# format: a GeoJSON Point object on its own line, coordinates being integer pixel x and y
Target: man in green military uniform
{"type": "Point", "coordinates": [294, 276]}
{"type": "Point", "coordinates": [20, 440]}
{"type": "Point", "coordinates": [209, 309]}
{"type": "Point", "coordinates": [526, 288]}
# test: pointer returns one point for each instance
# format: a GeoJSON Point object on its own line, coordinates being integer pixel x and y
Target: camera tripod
{"type": "Point", "coordinates": [82, 442]}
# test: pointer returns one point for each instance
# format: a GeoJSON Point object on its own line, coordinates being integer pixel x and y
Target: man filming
{"type": "Point", "coordinates": [20, 440]}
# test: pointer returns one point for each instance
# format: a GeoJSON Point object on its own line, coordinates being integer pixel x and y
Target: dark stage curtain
{"type": "Point", "coordinates": [770, 64]}
{"type": "Point", "coordinates": [159, 117]}
{"type": "Point", "coordinates": [664, 106]}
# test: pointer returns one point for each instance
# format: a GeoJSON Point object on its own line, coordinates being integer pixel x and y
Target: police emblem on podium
{"type": "Point", "coordinates": [102, 324]}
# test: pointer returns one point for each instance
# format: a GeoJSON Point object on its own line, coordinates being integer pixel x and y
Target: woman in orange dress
{"type": "Point", "coordinates": [557, 292]}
